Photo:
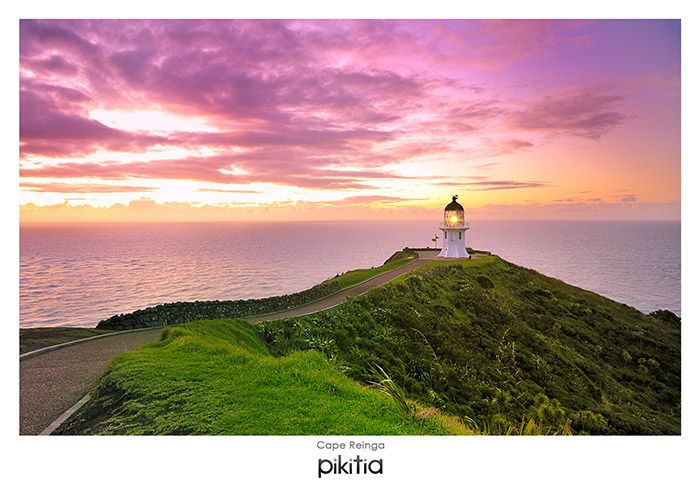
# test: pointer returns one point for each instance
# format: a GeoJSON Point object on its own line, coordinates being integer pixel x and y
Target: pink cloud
{"type": "Point", "coordinates": [588, 112]}
{"type": "Point", "coordinates": [54, 64]}
{"type": "Point", "coordinates": [335, 105]}
{"type": "Point", "coordinates": [264, 167]}
{"type": "Point", "coordinates": [83, 188]}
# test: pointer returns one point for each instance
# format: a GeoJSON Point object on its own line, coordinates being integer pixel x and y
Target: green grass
{"type": "Point", "coordinates": [357, 276]}
{"type": "Point", "coordinates": [218, 377]}
{"type": "Point", "coordinates": [498, 345]}
{"type": "Point", "coordinates": [476, 346]}
{"type": "Point", "coordinates": [37, 338]}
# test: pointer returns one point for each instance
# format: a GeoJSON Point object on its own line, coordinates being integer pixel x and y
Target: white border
{"type": "Point", "coordinates": [423, 465]}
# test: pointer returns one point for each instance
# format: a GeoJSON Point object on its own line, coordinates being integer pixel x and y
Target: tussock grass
{"type": "Point", "coordinates": [386, 385]}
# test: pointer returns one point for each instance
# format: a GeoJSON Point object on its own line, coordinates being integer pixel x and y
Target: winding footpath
{"type": "Point", "coordinates": [53, 381]}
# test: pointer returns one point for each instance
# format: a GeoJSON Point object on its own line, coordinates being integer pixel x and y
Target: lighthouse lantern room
{"type": "Point", "coordinates": [454, 230]}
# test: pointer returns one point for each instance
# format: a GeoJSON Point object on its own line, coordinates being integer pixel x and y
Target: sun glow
{"type": "Point", "coordinates": [118, 157]}
{"type": "Point", "coordinates": [151, 120]}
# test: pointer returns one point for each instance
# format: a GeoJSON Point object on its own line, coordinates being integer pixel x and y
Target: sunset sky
{"type": "Point", "coordinates": [291, 120]}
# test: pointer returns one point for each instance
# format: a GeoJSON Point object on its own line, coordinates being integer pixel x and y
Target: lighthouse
{"type": "Point", "coordinates": [454, 232]}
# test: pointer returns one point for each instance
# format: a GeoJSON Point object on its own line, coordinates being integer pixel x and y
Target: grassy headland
{"type": "Point", "coordinates": [481, 343]}
{"type": "Point", "coordinates": [496, 345]}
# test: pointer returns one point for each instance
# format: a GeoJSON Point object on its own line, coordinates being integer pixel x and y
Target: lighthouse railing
{"type": "Point", "coordinates": [454, 226]}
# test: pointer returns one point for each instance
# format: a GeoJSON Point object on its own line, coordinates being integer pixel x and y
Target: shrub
{"type": "Point", "coordinates": [667, 317]}
{"type": "Point", "coordinates": [484, 282]}
{"type": "Point", "coordinates": [185, 312]}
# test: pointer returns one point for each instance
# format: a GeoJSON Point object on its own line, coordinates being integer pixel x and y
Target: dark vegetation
{"type": "Point", "coordinates": [667, 317]}
{"type": "Point", "coordinates": [184, 312]}
{"type": "Point", "coordinates": [37, 338]}
{"type": "Point", "coordinates": [505, 349]}
{"type": "Point", "coordinates": [402, 255]}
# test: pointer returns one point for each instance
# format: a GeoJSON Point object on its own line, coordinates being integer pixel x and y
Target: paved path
{"type": "Point", "coordinates": [52, 382]}
{"type": "Point", "coordinates": [343, 295]}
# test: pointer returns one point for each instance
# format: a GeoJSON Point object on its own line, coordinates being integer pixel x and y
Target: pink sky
{"type": "Point", "coordinates": [289, 120]}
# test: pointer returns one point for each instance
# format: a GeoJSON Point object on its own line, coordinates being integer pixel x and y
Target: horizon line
{"type": "Point", "coordinates": [241, 221]}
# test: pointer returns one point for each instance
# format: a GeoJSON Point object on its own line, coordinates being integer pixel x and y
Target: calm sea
{"type": "Point", "coordinates": [77, 275]}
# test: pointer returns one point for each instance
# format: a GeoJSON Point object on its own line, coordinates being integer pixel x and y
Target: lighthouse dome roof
{"type": "Point", "coordinates": [454, 205]}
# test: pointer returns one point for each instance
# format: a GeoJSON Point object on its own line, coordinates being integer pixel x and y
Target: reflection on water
{"type": "Point", "coordinates": [77, 275]}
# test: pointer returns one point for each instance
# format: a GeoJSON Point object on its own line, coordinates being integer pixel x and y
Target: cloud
{"type": "Point", "coordinates": [586, 112]}
{"type": "Point", "coordinates": [265, 83]}
{"type": "Point", "coordinates": [149, 211]}
{"type": "Point", "coordinates": [569, 200]}
{"type": "Point", "coordinates": [494, 44]}
{"type": "Point", "coordinates": [53, 64]}
{"type": "Point", "coordinates": [83, 188]}
{"type": "Point", "coordinates": [370, 199]}
{"type": "Point", "coordinates": [34, 35]}
{"type": "Point", "coordinates": [341, 106]}
{"type": "Point", "coordinates": [223, 190]}
{"type": "Point", "coordinates": [580, 210]}
{"type": "Point", "coordinates": [48, 130]}
{"type": "Point", "coordinates": [486, 166]}
{"type": "Point", "coordinates": [256, 167]}
{"type": "Point", "coordinates": [485, 185]}
{"type": "Point", "coordinates": [510, 146]}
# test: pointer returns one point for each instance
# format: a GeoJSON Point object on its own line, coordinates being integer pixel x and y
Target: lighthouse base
{"type": "Point", "coordinates": [453, 244]}
{"type": "Point", "coordinates": [455, 253]}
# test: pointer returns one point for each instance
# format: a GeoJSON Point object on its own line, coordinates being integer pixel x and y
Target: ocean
{"type": "Point", "coordinates": [76, 275]}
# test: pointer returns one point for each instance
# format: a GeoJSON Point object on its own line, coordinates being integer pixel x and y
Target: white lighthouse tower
{"type": "Point", "coordinates": [454, 232]}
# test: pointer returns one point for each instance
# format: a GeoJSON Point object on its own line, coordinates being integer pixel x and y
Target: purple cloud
{"type": "Point", "coordinates": [585, 112]}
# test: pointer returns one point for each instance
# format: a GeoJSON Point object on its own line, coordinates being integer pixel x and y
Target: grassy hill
{"type": "Point", "coordinates": [357, 276]}
{"type": "Point", "coordinates": [218, 377]}
{"type": "Point", "coordinates": [497, 345]}
{"type": "Point", "coordinates": [478, 346]}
